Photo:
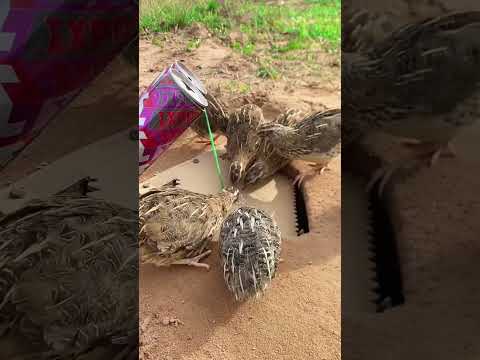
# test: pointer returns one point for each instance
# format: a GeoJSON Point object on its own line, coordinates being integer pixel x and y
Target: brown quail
{"type": "Point", "coordinates": [68, 275]}
{"type": "Point", "coordinates": [316, 138]}
{"type": "Point", "coordinates": [420, 84]}
{"type": "Point", "coordinates": [250, 246]}
{"type": "Point", "coordinates": [177, 225]}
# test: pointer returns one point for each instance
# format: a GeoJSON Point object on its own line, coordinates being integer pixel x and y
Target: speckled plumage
{"type": "Point", "coordinates": [68, 274]}
{"type": "Point", "coordinates": [177, 225]}
{"type": "Point", "coordinates": [362, 29]}
{"type": "Point", "coordinates": [315, 138]}
{"type": "Point", "coordinates": [243, 141]}
{"type": "Point", "coordinates": [265, 161]}
{"type": "Point", "coordinates": [401, 86]}
{"type": "Point", "coordinates": [250, 246]}
{"type": "Point", "coordinates": [421, 83]}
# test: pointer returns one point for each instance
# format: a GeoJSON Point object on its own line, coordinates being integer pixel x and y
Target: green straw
{"type": "Point", "coordinates": [214, 150]}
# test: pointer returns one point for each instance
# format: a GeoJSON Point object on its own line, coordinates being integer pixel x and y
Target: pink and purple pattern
{"type": "Point", "coordinates": [50, 50]}
{"type": "Point", "coordinates": [164, 114]}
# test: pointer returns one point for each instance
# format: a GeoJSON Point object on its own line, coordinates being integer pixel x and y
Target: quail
{"type": "Point", "coordinates": [261, 160]}
{"type": "Point", "coordinates": [419, 84]}
{"type": "Point", "coordinates": [243, 142]}
{"type": "Point", "coordinates": [185, 239]}
{"type": "Point", "coordinates": [250, 245]}
{"type": "Point", "coordinates": [316, 138]}
{"type": "Point", "coordinates": [68, 275]}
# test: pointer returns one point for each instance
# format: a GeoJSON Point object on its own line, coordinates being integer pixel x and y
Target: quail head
{"type": "Point", "coordinates": [250, 246]}
{"type": "Point", "coordinates": [266, 164]}
{"type": "Point", "coordinates": [264, 161]}
{"type": "Point", "coordinates": [243, 141]}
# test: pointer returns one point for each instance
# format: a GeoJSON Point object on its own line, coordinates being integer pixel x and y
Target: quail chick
{"type": "Point", "coordinates": [250, 246]}
{"type": "Point", "coordinates": [262, 161]}
{"type": "Point", "coordinates": [218, 118]}
{"type": "Point", "coordinates": [184, 240]}
{"type": "Point", "coordinates": [243, 141]}
{"type": "Point", "coordinates": [68, 275]}
{"type": "Point", "coordinates": [316, 138]}
{"type": "Point", "coordinates": [420, 84]}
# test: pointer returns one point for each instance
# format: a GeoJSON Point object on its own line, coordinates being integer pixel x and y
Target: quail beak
{"type": "Point", "coordinates": [236, 194]}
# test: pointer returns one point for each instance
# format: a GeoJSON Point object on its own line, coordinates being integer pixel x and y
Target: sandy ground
{"type": "Point", "coordinates": [299, 317]}
{"type": "Point", "coordinates": [436, 213]}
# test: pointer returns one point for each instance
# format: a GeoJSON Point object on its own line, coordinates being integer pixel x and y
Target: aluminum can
{"type": "Point", "coordinates": [166, 109]}
{"type": "Point", "coordinates": [190, 76]}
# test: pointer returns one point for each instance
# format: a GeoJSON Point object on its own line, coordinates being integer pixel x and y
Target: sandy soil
{"type": "Point", "coordinates": [438, 231]}
{"type": "Point", "coordinates": [299, 317]}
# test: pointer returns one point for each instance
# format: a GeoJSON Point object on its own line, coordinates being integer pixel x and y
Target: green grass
{"type": "Point", "coordinates": [281, 32]}
{"type": "Point", "coordinates": [314, 20]}
{"type": "Point", "coordinates": [193, 44]}
{"type": "Point", "coordinates": [238, 87]}
{"type": "Point", "coordinates": [267, 71]}
{"type": "Point", "coordinates": [162, 16]}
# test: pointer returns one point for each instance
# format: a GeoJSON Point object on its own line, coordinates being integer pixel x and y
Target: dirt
{"type": "Point", "coordinates": [299, 315]}
{"type": "Point", "coordinates": [436, 217]}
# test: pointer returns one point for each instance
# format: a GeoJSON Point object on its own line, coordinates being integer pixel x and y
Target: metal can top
{"type": "Point", "coordinates": [191, 76]}
{"type": "Point", "coordinates": [191, 92]}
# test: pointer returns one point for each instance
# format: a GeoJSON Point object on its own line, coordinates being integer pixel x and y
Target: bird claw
{"type": "Point", "coordinates": [445, 151]}
{"type": "Point", "coordinates": [410, 142]}
{"type": "Point", "coordinates": [317, 170]}
{"type": "Point", "coordinates": [195, 261]}
{"type": "Point", "coordinates": [383, 175]}
{"type": "Point", "coordinates": [298, 180]}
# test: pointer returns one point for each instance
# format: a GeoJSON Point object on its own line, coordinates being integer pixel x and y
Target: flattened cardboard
{"type": "Point", "coordinates": [107, 160]}
{"type": "Point", "coordinates": [198, 174]}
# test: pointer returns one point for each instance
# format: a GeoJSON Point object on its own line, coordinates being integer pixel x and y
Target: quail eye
{"type": "Point", "coordinates": [235, 172]}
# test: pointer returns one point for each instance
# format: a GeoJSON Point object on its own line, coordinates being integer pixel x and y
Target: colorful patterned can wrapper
{"type": "Point", "coordinates": [50, 50]}
{"type": "Point", "coordinates": [166, 109]}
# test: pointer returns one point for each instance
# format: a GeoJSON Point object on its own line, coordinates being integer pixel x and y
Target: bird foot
{"type": "Point", "coordinates": [433, 151]}
{"type": "Point", "coordinates": [447, 150]}
{"type": "Point", "coordinates": [383, 175]}
{"type": "Point", "coordinates": [195, 261]}
{"type": "Point", "coordinates": [410, 142]}
{"type": "Point", "coordinates": [316, 170]}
